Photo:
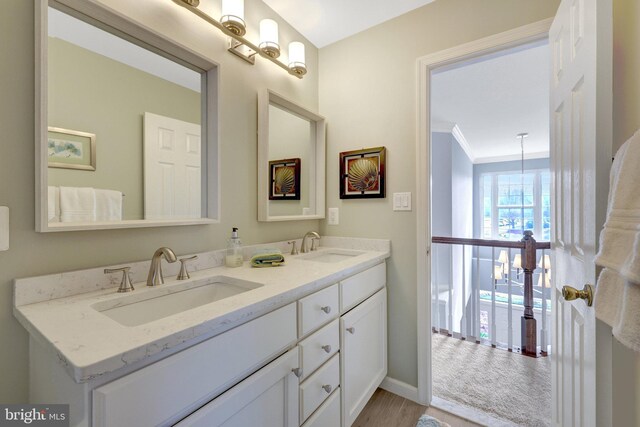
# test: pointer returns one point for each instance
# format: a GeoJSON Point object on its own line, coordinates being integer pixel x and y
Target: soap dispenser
{"type": "Point", "coordinates": [234, 250]}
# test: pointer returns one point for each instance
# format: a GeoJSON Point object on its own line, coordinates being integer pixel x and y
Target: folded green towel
{"type": "Point", "coordinates": [267, 259]}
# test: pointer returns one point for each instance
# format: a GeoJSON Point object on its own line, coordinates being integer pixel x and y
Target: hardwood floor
{"type": "Point", "coordinates": [389, 410]}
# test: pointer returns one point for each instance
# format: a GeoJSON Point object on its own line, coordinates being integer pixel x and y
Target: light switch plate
{"type": "Point", "coordinates": [401, 201]}
{"type": "Point", "coordinates": [4, 228]}
{"type": "Point", "coordinates": [334, 216]}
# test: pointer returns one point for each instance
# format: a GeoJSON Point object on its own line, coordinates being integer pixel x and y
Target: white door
{"type": "Point", "coordinates": [267, 398]}
{"type": "Point", "coordinates": [172, 168]}
{"type": "Point", "coordinates": [579, 41]}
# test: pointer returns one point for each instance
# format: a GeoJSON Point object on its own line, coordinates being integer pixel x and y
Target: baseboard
{"type": "Point", "coordinates": [470, 414]}
{"type": "Point", "coordinates": [400, 388]}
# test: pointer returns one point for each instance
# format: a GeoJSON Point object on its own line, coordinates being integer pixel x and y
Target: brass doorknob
{"type": "Point", "coordinates": [569, 293]}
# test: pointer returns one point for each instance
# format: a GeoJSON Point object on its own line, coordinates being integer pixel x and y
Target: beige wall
{"type": "Point", "coordinates": [86, 94]}
{"type": "Point", "coordinates": [626, 121]}
{"type": "Point", "coordinates": [32, 253]}
{"type": "Point", "coordinates": [368, 95]}
{"type": "Point", "coordinates": [626, 70]}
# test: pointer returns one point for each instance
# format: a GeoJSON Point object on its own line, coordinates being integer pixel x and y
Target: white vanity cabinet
{"type": "Point", "coordinates": [314, 362]}
{"type": "Point", "coordinates": [363, 331]}
{"type": "Point", "coordinates": [363, 339]}
{"type": "Point", "coordinates": [166, 391]}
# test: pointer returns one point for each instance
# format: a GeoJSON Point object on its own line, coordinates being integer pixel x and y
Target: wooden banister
{"type": "Point", "coordinates": [528, 247]}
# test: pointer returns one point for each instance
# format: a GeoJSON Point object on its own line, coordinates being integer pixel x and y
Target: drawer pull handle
{"type": "Point", "coordinates": [326, 309]}
{"type": "Point", "coordinates": [327, 348]}
{"type": "Point", "coordinates": [351, 330]}
{"type": "Point", "coordinates": [327, 388]}
{"type": "Point", "coordinates": [297, 372]}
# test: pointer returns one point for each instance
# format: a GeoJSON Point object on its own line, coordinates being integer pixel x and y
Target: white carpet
{"type": "Point", "coordinates": [507, 385]}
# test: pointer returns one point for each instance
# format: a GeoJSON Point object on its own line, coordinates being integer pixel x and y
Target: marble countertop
{"type": "Point", "coordinates": [89, 344]}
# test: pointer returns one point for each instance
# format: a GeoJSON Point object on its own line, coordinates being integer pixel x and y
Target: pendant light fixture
{"type": "Point", "coordinates": [522, 136]}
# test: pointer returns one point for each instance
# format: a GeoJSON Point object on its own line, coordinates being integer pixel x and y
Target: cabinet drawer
{"type": "Point", "coordinates": [318, 309]}
{"type": "Point", "coordinates": [164, 392]}
{"type": "Point", "coordinates": [328, 414]}
{"type": "Point", "coordinates": [315, 389]}
{"type": "Point", "coordinates": [268, 398]}
{"type": "Point", "coordinates": [319, 347]}
{"type": "Point", "coordinates": [361, 286]}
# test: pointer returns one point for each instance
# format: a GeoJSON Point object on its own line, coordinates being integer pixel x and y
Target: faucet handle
{"type": "Point", "coordinates": [294, 248]}
{"type": "Point", "coordinates": [314, 246]}
{"type": "Point", "coordinates": [184, 273]}
{"type": "Point", "coordinates": [125, 283]}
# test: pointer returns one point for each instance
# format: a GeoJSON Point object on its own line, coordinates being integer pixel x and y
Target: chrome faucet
{"type": "Point", "coordinates": [155, 277]}
{"type": "Point", "coordinates": [303, 246]}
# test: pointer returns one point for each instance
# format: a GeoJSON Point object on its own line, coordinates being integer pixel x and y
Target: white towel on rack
{"type": "Point", "coordinates": [53, 204]}
{"type": "Point", "coordinates": [617, 300]}
{"type": "Point", "coordinates": [77, 204]}
{"type": "Point", "coordinates": [108, 205]}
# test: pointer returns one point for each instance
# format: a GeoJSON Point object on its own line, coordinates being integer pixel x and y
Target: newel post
{"type": "Point", "coordinates": [528, 331]}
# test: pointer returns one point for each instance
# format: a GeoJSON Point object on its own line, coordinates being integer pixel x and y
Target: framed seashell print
{"type": "Point", "coordinates": [284, 176]}
{"type": "Point", "coordinates": [362, 173]}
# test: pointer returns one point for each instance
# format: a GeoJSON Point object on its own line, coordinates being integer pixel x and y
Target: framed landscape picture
{"type": "Point", "coordinates": [71, 149]}
{"type": "Point", "coordinates": [284, 179]}
{"type": "Point", "coordinates": [362, 173]}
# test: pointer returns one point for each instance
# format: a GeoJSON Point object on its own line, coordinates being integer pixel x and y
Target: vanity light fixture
{"type": "Point", "coordinates": [233, 16]}
{"type": "Point", "coordinates": [233, 25]}
{"type": "Point", "coordinates": [296, 59]}
{"type": "Point", "coordinates": [269, 38]}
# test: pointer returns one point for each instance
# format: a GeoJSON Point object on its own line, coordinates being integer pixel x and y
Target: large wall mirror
{"type": "Point", "coordinates": [291, 160]}
{"type": "Point", "coordinates": [120, 135]}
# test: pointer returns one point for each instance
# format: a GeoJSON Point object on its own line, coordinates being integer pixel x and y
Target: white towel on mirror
{"type": "Point", "coordinates": [108, 205]}
{"type": "Point", "coordinates": [77, 204]}
{"type": "Point", "coordinates": [617, 300]}
{"type": "Point", "coordinates": [53, 204]}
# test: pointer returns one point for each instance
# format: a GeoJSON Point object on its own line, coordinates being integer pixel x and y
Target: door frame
{"type": "Point", "coordinates": [518, 36]}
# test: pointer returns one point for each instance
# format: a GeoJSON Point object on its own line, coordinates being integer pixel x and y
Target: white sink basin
{"type": "Point", "coordinates": [167, 300]}
{"type": "Point", "coordinates": [330, 256]}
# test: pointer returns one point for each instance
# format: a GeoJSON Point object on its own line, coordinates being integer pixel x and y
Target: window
{"type": "Point", "coordinates": [513, 202]}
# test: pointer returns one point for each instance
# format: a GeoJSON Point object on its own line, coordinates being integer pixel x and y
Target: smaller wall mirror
{"type": "Point", "coordinates": [291, 160]}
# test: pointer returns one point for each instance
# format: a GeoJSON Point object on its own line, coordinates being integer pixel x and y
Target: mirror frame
{"type": "Point", "coordinates": [268, 97]}
{"type": "Point", "coordinates": [118, 24]}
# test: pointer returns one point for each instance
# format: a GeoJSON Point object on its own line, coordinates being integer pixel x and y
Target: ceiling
{"type": "Point", "coordinates": [324, 22]}
{"type": "Point", "coordinates": [492, 99]}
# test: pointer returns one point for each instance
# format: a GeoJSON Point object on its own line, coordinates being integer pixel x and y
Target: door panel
{"type": "Point", "coordinates": [172, 168]}
{"type": "Point", "coordinates": [580, 121]}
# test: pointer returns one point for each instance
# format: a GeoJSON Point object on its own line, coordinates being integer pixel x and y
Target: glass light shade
{"type": "Point", "coordinates": [517, 261]}
{"type": "Point", "coordinates": [503, 257]}
{"type": "Point", "coordinates": [497, 272]}
{"type": "Point", "coordinates": [547, 262]}
{"type": "Point", "coordinates": [547, 281]}
{"type": "Point", "coordinates": [269, 37]}
{"type": "Point", "coordinates": [297, 63]}
{"type": "Point", "coordinates": [233, 16]}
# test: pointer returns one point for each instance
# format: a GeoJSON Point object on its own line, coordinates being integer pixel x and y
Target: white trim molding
{"type": "Point", "coordinates": [464, 144]}
{"type": "Point", "coordinates": [400, 388]}
{"type": "Point", "coordinates": [425, 65]}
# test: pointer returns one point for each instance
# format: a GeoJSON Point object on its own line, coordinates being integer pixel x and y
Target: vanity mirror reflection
{"type": "Point", "coordinates": [119, 131]}
{"type": "Point", "coordinates": [291, 160]}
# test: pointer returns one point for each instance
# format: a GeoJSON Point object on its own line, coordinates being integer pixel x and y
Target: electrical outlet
{"type": "Point", "coordinates": [334, 216]}
{"type": "Point", "coordinates": [4, 228]}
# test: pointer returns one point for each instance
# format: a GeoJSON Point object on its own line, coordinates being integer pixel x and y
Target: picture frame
{"type": "Point", "coordinates": [71, 149]}
{"type": "Point", "coordinates": [284, 179]}
{"type": "Point", "coordinates": [362, 173]}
